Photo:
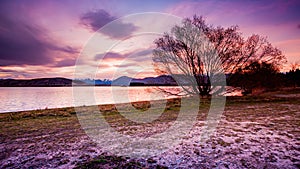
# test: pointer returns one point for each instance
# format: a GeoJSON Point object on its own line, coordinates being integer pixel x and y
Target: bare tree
{"type": "Point", "coordinates": [195, 53]}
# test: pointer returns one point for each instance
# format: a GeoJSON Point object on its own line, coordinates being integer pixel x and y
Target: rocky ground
{"type": "Point", "coordinates": [254, 132]}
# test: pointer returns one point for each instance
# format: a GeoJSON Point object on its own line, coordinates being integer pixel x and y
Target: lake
{"type": "Point", "coordinates": [14, 99]}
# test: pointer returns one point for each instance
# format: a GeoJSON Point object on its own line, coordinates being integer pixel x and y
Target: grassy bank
{"type": "Point", "coordinates": [254, 132]}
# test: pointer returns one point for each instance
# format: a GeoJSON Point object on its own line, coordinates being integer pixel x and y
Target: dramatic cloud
{"type": "Point", "coordinates": [24, 43]}
{"type": "Point", "coordinates": [97, 19]}
{"type": "Point", "coordinates": [7, 71]}
{"type": "Point", "coordinates": [37, 38]}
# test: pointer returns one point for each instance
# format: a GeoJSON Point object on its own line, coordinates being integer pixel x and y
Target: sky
{"type": "Point", "coordinates": [53, 38]}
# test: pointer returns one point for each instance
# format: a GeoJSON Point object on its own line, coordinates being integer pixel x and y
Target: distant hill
{"type": "Point", "coordinates": [98, 82]}
{"type": "Point", "coordinates": [41, 82]}
{"type": "Point", "coordinates": [163, 80]}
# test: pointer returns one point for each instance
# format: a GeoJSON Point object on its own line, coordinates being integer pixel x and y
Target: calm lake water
{"type": "Point", "coordinates": [31, 98]}
{"type": "Point", "coordinates": [14, 99]}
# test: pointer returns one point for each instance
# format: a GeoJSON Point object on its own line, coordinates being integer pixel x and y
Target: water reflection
{"type": "Point", "coordinates": [31, 98]}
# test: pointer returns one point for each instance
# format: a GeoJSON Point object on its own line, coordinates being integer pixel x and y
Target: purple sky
{"type": "Point", "coordinates": [44, 38]}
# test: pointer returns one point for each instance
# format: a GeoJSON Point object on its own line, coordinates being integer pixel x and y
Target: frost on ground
{"type": "Point", "coordinates": [44, 143]}
{"type": "Point", "coordinates": [259, 136]}
{"type": "Point", "coordinates": [250, 135]}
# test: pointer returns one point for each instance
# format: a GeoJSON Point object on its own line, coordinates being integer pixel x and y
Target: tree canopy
{"type": "Point", "coordinates": [196, 49]}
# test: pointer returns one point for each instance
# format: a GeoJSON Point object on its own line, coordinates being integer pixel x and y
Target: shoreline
{"type": "Point", "coordinates": [283, 90]}
{"type": "Point", "coordinates": [262, 97]}
{"type": "Point", "coordinates": [104, 107]}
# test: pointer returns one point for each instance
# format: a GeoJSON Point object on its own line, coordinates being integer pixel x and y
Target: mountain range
{"type": "Point", "coordinates": [163, 80]}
